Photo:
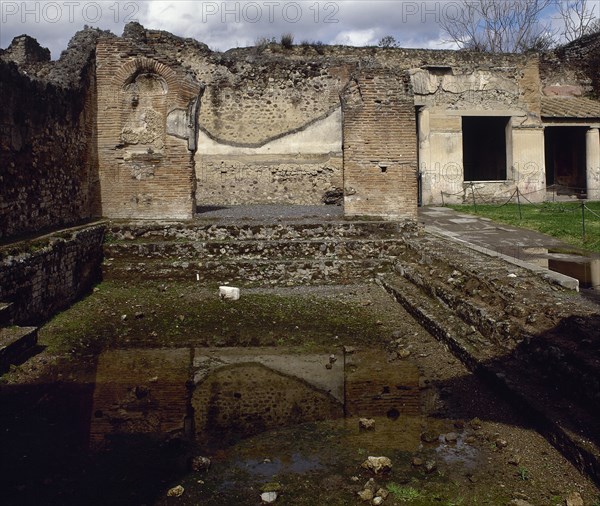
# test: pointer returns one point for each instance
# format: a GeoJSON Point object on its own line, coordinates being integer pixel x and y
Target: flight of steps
{"type": "Point", "coordinates": [537, 343]}
{"type": "Point", "coordinates": [15, 341]}
{"type": "Point", "coordinates": [254, 253]}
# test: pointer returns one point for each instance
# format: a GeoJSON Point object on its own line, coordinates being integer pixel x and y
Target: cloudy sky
{"type": "Point", "coordinates": [233, 23]}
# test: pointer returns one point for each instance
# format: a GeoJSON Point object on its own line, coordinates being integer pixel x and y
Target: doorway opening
{"type": "Point", "coordinates": [484, 148]}
{"type": "Point", "coordinates": [565, 159]}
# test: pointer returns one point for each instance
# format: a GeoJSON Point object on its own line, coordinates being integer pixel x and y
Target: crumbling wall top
{"type": "Point", "coordinates": [68, 71]}
{"type": "Point", "coordinates": [573, 69]}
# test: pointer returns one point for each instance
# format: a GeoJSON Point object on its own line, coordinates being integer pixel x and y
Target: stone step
{"type": "Point", "coordinates": [14, 343]}
{"type": "Point", "coordinates": [267, 249]}
{"type": "Point", "coordinates": [565, 354]}
{"type": "Point", "coordinates": [5, 313]}
{"type": "Point", "coordinates": [568, 425]}
{"type": "Point", "coordinates": [190, 231]}
{"type": "Point", "coordinates": [250, 272]}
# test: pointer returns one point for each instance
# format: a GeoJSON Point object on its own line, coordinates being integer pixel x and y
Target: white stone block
{"type": "Point", "coordinates": [229, 292]}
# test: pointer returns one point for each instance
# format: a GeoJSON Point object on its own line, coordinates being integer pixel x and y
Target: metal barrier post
{"type": "Point", "coordinates": [583, 220]}
{"type": "Point", "coordinates": [473, 194]}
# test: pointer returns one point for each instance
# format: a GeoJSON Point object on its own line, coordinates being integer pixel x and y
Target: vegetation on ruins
{"type": "Point", "coordinates": [287, 40]}
{"type": "Point", "coordinates": [388, 41]}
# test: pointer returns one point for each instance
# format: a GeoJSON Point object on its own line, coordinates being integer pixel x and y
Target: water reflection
{"type": "Point", "coordinates": [210, 393]}
{"type": "Point", "coordinates": [583, 266]}
{"type": "Point", "coordinates": [586, 270]}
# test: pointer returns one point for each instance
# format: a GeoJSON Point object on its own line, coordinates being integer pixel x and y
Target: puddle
{"type": "Point", "coordinates": [584, 269]}
{"type": "Point", "coordinates": [583, 266]}
{"type": "Point", "coordinates": [459, 453]}
{"type": "Point", "coordinates": [140, 422]}
{"type": "Point", "coordinates": [314, 463]}
{"type": "Point", "coordinates": [265, 469]}
{"type": "Point", "coordinates": [141, 413]}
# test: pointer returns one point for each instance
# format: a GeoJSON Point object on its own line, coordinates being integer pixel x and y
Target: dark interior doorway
{"type": "Point", "coordinates": [565, 158]}
{"type": "Point", "coordinates": [484, 148]}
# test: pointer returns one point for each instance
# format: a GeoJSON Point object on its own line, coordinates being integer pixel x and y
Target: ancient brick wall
{"type": "Point", "coordinates": [147, 110]}
{"type": "Point", "coordinates": [46, 152]}
{"type": "Point", "coordinates": [380, 145]}
{"type": "Point", "coordinates": [270, 120]}
{"type": "Point", "coordinates": [274, 125]}
{"type": "Point", "coordinates": [45, 276]}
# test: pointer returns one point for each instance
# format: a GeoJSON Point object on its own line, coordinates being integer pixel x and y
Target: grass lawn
{"type": "Point", "coordinates": [558, 219]}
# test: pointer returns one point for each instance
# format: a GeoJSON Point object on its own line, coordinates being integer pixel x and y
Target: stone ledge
{"type": "Point", "coordinates": [553, 277]}
{"type": "Point", "coordinates": [284, 272]}
{"type": "Point", "coordinates": [14, 343]}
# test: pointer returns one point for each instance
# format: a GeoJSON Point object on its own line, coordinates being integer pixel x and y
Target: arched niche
{"type": "Point", "coordinates": [144, 113]}
{"type": "Point", "coordinates": [146, 83]}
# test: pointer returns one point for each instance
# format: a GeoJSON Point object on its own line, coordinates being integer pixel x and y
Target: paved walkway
{"type": "Point", "coordinates": [505, 239]}
{"type": "Point", "coordinates": [521, 244]}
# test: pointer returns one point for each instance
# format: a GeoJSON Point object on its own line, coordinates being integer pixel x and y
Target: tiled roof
{"type": "Point", "coordinates": [570, 107]}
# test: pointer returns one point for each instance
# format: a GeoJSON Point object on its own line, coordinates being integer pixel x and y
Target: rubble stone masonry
{"type": "Point", "coordinates": [151, 125]}
{"type": "Point", "coordinates": [47, 152]}
{"type": "Point", "coordinates": [45, 276]}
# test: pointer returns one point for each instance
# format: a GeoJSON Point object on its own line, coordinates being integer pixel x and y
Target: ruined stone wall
{"type": "Point", "coordinates": [270, 128]}
{"type": "Point", "coordinates": [43, 277]}
{"type": "Point", "coordinates": [25, 51]}
{"type": "Point", "coordinates": [573, 69]}
{"type": "Point", "coordinates": [272, 120]}
{"type": "Point", "coordinates": [270, 123]}
{"type": "Point", "coordinates": [180, 125]}
{"type": "Point", "coordinates": [506, 87]}
{"type": "Point", "coordinates": [147, 111]}
{"type": "Point", "coordinates": [47, 154]}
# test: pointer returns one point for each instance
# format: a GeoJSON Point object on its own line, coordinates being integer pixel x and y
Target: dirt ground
{"type": "Point", "coordinates": [466, 447]}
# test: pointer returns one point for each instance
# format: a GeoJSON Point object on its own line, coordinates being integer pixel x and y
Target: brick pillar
{"type": "Point", "coordinates": [145, 142]}
{"type": "Point", "coordinates": [380, 146]}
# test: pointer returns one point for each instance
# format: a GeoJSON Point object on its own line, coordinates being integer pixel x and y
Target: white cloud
{"type": "Point", "coordinates": [53, 23]}
{"type": "Point", "coordinates": [356, 38]}
{"type": "Point", "coordinates": [223, 24]}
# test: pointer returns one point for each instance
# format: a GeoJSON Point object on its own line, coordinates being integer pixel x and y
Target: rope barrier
{"type": "Point", "coordinates": [560, 207]}
{"type": "Point", "coordinates": [591, 211]}
{"type": "Point", "coordinates": [452, 194]}
{"type": "Point", "coordinates": [522, 194]}
{"type": "Point", "coordinates": [554, 207]}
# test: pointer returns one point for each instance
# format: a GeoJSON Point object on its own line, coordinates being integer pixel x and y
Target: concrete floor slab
{"type": "Point", "coordinates": [463, 220]}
